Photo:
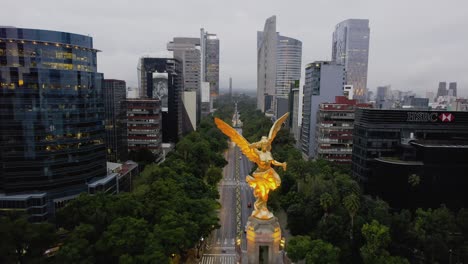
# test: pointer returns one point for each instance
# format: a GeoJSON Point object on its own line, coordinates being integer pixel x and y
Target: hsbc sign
{"type": "Point", "coordinates": [429, 117]}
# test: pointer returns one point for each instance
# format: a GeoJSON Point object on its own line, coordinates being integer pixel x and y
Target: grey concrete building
{"type": "Point", "coordinates": [279, 61]}
{"type": "Point", "coordinates": [210, 62]}
{"type": "Point", "coordinates": [350, 47]}
{"type": "Point", "coordinates": [323, 81]}
{"type": "Point", "coordinates": [187, 51]}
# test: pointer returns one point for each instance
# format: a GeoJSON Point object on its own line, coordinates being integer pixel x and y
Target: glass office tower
{"type": "Point", "coordinates": [350, 47]}
{"type": "Point", "coordinates": [51, 118]}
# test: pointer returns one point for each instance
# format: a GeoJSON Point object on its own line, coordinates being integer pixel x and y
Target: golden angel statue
{"type": "Point", "coordinates": [264, 179]}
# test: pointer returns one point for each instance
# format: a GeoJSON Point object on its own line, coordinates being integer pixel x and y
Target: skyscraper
{"type": "Point", "coordinates": [162, 78]}
{"type": "Point", "coordinates": [442, 90]}
{"type": "Point", "coordinates": [210, 61]}
{"type": "Point", "coordinates": [266, 62]}
{"type": "Point", "coordinates": [51, 119]}
{"type": "Point", "coordinates": [187, 51]}
{"type": "Point", "coordinates": [453, 88]}
{"type": "Point", "coordinates": [350, 47]}
{"type": "Point", "coordinates": [116, 129]}
{"type": "Point", "coordinates": [323, 81]}
{"type": "Point", "coordinates": [279, 61]}
{"type": "Point", "coordinates": [288, 64]}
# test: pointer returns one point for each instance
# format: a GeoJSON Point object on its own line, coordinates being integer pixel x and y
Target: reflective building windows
{"type": "Point", "coordinates": [51, 112]}
{"type": "Point", "coordinates": [350, 48]}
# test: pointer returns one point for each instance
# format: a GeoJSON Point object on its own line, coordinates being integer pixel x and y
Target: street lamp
{"type": "Point", "coordinates": [450, 256]}
{"type": "Point", "coordinates": [199, 246]}
{"type": "Point", "coordinates": [238, 249]}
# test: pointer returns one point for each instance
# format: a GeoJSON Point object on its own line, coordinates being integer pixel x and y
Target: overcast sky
{"type": "Point", "coordinates": [414, 44]}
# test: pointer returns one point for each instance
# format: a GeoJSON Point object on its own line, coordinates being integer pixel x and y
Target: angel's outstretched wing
{"type": "Point", "coordinates": [276, 127]}
{"type": "Point", "coordinates": [238, 139]}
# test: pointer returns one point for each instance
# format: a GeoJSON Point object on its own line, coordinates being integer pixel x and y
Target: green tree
{"type": "Point", "coordinates": [79, 246]}
{"type": "Point", "coordinates": [462, 221]}
{"type": "Point", "coordinates": [297, 219]}
{"type": "Point", "coordinates": [22, 241]}
{"type": "Point", "coordinates": [298, 247]}
{"type": "Point", "coordinates": [377, 239]}
{"type": "Point", "coordinates": [414, 180]}
{"type": "Point", "coordinates": [322, 252]}
{"type": "Point", "coordinates": [378, 210]}
{"type": "Point", "coordinates": [326, 201]}
{"type": "Point", "coordinates": [352, 205]}
{"type": "Point", "coordinates": [97, 210]}
{"type": "Point", "coordinates": [125, 235]}
{"type": "Point", "coordinates": [433, 229]}
{"type": "Point", "coordinates": [213, 175]}
{"type": "Point", "coordinates": [401, 231]}
{"type": "Point", "coordinates": [333, 229]}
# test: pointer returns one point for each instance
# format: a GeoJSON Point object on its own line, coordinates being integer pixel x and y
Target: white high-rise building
{"type": "Point", "coordinates": [279, 61]}
{"type": "Point", "coordinates": [350, 48]}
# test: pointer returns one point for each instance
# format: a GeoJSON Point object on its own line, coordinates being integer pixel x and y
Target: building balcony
{"type": "Point", "coordinates": [142, 122]}
{"type": "Point", "coordinates": [348, 117]}
{"type": "Point", "coordinates": [335, 151]}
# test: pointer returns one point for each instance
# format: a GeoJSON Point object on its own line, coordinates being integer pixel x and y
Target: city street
{"type": "Point", "coordinates": [235, 195]}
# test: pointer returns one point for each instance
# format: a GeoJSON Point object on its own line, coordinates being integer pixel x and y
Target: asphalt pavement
{"type": "Point", "coordinates": [235, 195]}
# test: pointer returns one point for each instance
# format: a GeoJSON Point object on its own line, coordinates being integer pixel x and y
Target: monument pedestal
{"type": "Point", "coordinates": [263, 240]}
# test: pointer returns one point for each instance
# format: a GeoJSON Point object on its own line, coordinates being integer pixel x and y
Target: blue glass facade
{"type": "Point", "coordinates": [51, 113]}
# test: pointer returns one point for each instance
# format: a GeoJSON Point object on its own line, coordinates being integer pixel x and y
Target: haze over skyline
{"type": "Point", "coordinates": [413, 45]}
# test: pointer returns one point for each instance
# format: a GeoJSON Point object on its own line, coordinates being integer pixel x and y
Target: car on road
{"type": "Point", "coordinates": [249, 205]}
{"type": "Point", "coordinates": [240, 157]}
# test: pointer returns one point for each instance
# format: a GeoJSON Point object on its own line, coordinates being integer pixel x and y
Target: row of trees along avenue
{"type": "Point", "coordinates": [332, 221]}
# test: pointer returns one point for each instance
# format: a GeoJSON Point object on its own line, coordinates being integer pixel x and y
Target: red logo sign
{"type": "Point", "coordinates": [446, 117]}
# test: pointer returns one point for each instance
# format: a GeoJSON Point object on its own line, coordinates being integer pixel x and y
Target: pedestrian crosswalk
{"type": "Point", "coordinates": [218, 259]}
{"type": "Point", "coordinates": [233, 184]}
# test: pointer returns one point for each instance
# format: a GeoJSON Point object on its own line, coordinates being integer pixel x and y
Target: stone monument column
{"type": "Point", "coordinates": [263, 240]}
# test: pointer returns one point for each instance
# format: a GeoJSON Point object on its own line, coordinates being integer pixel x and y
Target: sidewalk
{"type": "Point", "coordinates": [192, 256]}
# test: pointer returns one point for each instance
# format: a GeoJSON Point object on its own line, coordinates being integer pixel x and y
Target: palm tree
{"type": "Point", "coordinates": [414, 180]}
{"type": "Point", "coordinates": [352, 204]}
{"type": "Point", "coordinates": [326, 201]}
